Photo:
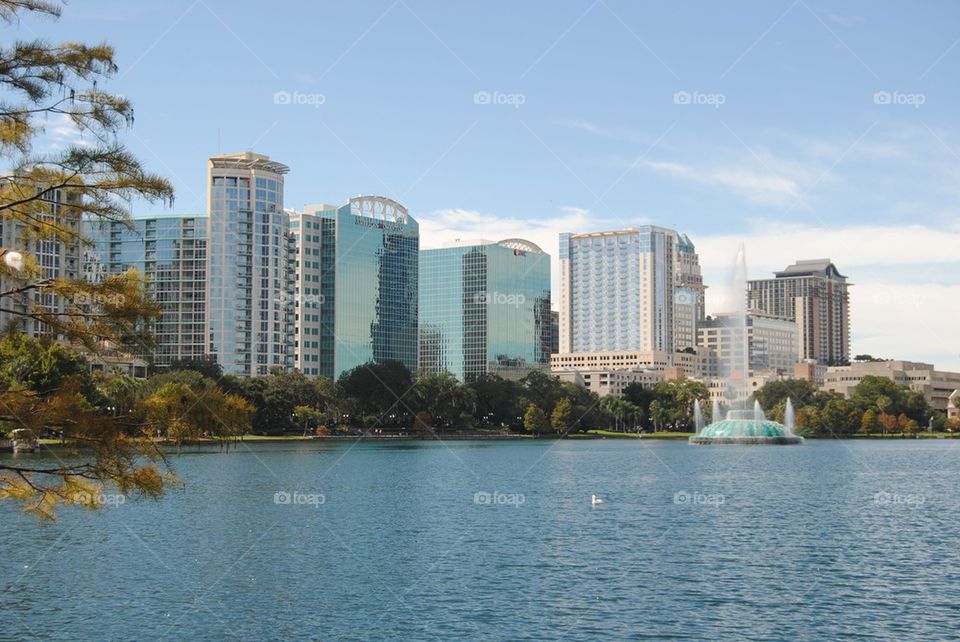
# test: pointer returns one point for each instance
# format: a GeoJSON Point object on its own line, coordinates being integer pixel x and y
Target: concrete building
{"type": "Point", "coordinates": [170, 253]}
{"type": "Point", "coordinates": [811, 371]}
{"type": "Point", "coordinates": [815, 295]}
{"type": "Point", "coordinates": [485, 309]}
{"type": "Point", "coordinates": [606, 382]}
{"type": "Point", "coordinates": [935, 385]}
{"type": "Point", "coordinates": [772, 341]}
{"type": "Point", "coordinates": [357, 277]}
{"type": "Point", "coordinates": [617, 290]}
{"type": "Point", "coordinates": [953, 407]}
{"type": "Point", "coordinates": [250, 290]}
{"type": "Point", "coordinates": [57, 259]}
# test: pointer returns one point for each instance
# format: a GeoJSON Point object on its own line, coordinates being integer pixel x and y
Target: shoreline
{"type": "Point", "coordinates": [590, 436]}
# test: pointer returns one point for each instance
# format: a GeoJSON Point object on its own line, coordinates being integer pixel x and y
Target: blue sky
{"type": "Point", "coordinates": [804, 128]}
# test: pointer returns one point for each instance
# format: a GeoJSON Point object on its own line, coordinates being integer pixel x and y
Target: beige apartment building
{"type": "Point", "coordinates": [937, 386]}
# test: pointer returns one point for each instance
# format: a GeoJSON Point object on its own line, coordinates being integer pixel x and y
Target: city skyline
{"type": "Point", "coordinates": [852, 154]}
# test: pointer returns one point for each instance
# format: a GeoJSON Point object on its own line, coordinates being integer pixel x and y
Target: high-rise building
{"type": "Point", "coordinates": [771, 342]}
{"type": "Point", "coordinates": [815, 295]}
{"type": "Point", "coordinates": [57, 259]}
{"type": "Point", "coordinates": [485, 309]}
{"type": "Point", "coordinates": [170, 253]}
{"type": "Point", "coordinates": [621, 290]}
{"type": "Point", "coordinates": [249, 265]}
{"type": "Point", "coordinates": [356, 285]}
{"type": "Point", "coordinates": [690, 303]}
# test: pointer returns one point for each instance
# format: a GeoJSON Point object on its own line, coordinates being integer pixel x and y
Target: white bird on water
{"type": "Point", "coordinates": [594, 500]}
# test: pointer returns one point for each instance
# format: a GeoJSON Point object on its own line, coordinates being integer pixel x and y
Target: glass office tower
{"type": "Point", "coordinates": [250, 265]}
{"type": "Point", "coordinates": [356, 285]}
{"type": "Point", "coordinates": [485, 309]}
{"type": "Point", "coordinates": [170, 253]}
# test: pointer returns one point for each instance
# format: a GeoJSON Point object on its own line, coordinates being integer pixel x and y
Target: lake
{"type": "Point", "coordinates": [499, 540]}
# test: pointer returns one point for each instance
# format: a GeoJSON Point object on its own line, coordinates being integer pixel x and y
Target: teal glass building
{"type": "Point", "coordinates": [356, 277]}
{"type": "Point", "coordinates": [485, 309]}
{"type": "Point", "coordinates": [170, 253]}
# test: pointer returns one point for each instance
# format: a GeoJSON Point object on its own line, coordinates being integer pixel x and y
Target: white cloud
{"type": "Point", "coordinates": [62, 132]}
{"type": "Point", "coordinates": [760, 186]}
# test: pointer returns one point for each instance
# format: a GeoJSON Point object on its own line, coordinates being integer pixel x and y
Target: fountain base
{"type": "Point", "coordinates": [746, 427]}
{"type": "Point", "coordinates": [784, 440]}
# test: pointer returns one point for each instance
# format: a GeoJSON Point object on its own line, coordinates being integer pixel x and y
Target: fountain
{"type": "Point", "coordinates": [744, 423]}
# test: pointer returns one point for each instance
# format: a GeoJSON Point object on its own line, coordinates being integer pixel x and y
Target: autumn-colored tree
{"type": "Point", "coordinates": [562, 415]}
{"type": "Point", "coordinates": [535, 420]}
{"type": "Point", "coordinates": [43, 197]}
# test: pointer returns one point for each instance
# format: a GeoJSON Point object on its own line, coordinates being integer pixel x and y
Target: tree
{"type": "Point", "coordinates": [209, 368]}
{"type": "Point", "coordinates": [839, 417]}
{"type": "Point", "coordinates": [658, 414]}
{"type": "Point", "coordinates": [498, 402]}
{"type": "Point", "coordinates": [773, 393]}
{"type": "Point", "coordinates": [561, 416]}
{"type": "Point", "coordinates": [379, 390]}
{"type": "Point", "coordinates": [44, 195]}
{"type": "Point", "coordinates": [535, 420]}
{"type": "Point", "coordinates": [311, 419]}
{"type": "Point", "coordinates": [179, 414]}
{"type": "Point", "coordinates": [447, 403]}
{"type": "Point", "coordinates": [869, 422]}
{"type": "Point", "coordinates": [635, 393]}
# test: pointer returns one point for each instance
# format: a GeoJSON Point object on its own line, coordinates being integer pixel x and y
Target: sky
{"type": "Point", "coordinates": [804, 129]}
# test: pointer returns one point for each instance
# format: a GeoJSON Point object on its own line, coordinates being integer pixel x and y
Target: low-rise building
{"type": "Point", "coordinates": [610, 381]}
{"type": "Point", "coordinates": [936, 386]}
{"type": "Point", "coordinates": [772, 341]}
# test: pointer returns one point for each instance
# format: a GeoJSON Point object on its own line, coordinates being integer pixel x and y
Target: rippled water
{"type": "Point", "coordinates": [827, 540]}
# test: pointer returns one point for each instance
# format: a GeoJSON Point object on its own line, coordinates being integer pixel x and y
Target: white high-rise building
{"type": "Point", "coordinates": [250, 254]}
{"type": "Point", "coordinates": [637, 289]}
